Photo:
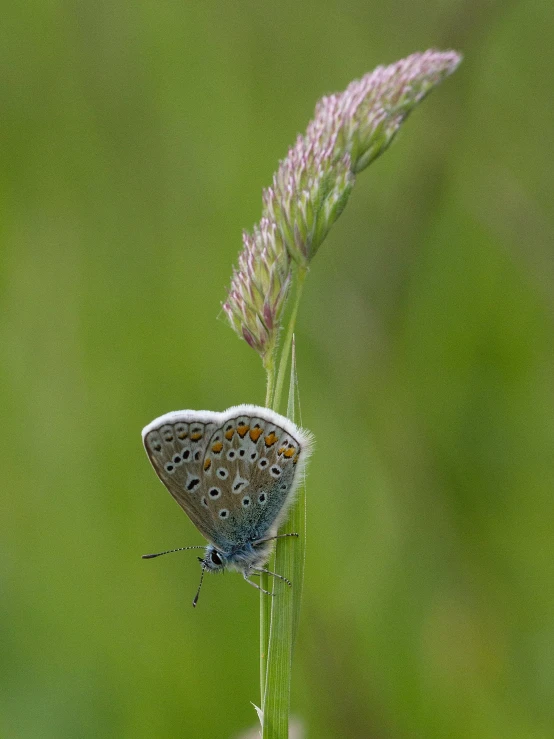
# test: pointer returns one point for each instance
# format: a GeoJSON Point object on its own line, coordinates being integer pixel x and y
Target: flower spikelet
{"type": "Point", "coordinates": [313, 183]}
{"type": "Point", "coordinates": [259, 286]}
{"type": "Point", "coordinates": [309, 192]}
{"type": "Point", "coordinates": [364, 118]}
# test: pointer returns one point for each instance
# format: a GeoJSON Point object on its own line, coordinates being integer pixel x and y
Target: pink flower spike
{"type": "Point", "coordinates": [311, 187]}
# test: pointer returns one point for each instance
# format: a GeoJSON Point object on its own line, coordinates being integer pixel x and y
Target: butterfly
{"type": "Point", "coordinates": [234, 474]}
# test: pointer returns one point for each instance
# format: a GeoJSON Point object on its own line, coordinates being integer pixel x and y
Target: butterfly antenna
{"type": "Point", "coordinates": [195, 601]}
{"type": "Point", "coordinates": [170, 551]}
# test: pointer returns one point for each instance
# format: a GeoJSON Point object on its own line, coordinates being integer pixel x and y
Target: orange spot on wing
{"type": "Point", "coordinates": [182, 435]}
{"type": "Point", "coordinates": [229, 434]}
{"type": "Point", "coordinates": [217, 447]}
{"type": "Point", "coordinates": [255, 434]}
{"type": "Point", "coordinates": [290, 452]}
{"type": "Point", "coordinates": [281, 450]}
{"type": "Point", "coordinates": [207, 464]}
{"type": "Point", "coordinates": [242, 429]}
{"type": "Point", "coordinates": [196, 436]}
{"type": "Point", "coordinates": [271, 439]}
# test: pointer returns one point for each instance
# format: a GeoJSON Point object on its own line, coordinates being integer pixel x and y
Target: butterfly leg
{"type": "Point", "coordinates": [274, 574]}
{"type": "Point", "coordinates": [271, 538]}
{"type": "Point", "coordinates": [256, 586]}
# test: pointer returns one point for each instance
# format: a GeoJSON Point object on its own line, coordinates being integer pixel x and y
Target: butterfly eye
{"type": "Point", "coordinates": [216, 559]}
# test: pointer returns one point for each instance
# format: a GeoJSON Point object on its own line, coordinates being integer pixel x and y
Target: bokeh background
{"type": "Point", "coordinates": [136, 139]}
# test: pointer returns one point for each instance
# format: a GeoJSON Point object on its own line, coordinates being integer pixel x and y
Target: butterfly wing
{"type": "Point", "coordinates": [252, 466]}
{"type": "Point", "coordinates": [176, 444]}
{"type": "Point", "coordinates": [233, 473]}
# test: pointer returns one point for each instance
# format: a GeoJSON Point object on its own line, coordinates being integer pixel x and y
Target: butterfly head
{"type": "Point", "coordinates": [214, 560]}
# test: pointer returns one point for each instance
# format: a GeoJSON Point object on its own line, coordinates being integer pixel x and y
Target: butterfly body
{"type": "Point", "coordinates": [243, 558]}
{"type": "Point", "coordinates": [234, 473]}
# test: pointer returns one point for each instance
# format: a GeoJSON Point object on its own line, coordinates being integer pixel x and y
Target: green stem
{"type": "Point", "coordinates": [278, 620]}
{"type": "Point", "coordinates": [285, 608]}
{"type": "Point", "coordinates": [269, 365]}
{"type": "Point", "coordinates": [287, 343]}
{"type": "Point", "coordinates": [265, 607]}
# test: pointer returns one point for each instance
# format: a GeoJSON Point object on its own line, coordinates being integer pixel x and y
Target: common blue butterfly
{"type": "Point", "coordinates": [234, 474]}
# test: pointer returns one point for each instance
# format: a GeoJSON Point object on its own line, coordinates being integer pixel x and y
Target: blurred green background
{"type": "Point", "coordinates": [136, 140]}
